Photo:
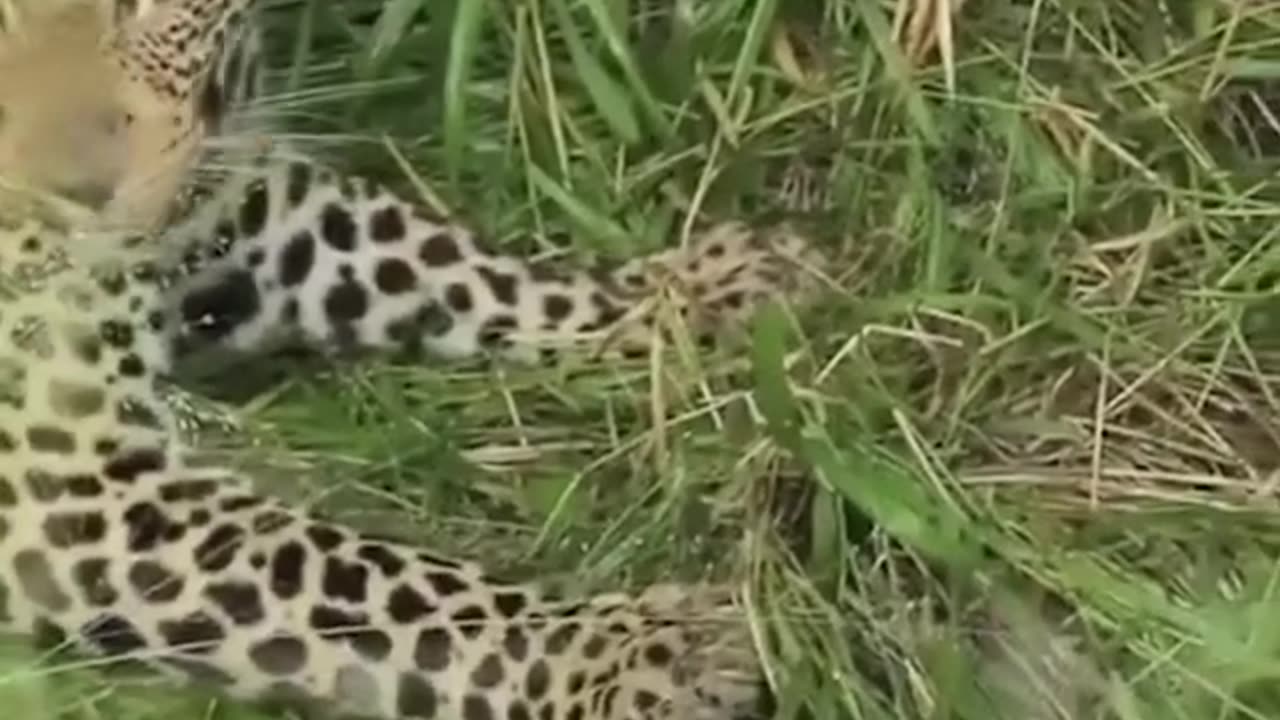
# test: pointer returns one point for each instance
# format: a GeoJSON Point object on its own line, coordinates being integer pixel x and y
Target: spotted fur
{"type": "Point", "coordinates": [303, 254]}
{"type": "Point", "coordinates": [113, 538]}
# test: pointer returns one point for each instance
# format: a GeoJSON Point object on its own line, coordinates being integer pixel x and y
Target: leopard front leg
{"type": "Point", "coordinates": [303, 254]}
{"type": "Point", "coordinates": [206, 580]}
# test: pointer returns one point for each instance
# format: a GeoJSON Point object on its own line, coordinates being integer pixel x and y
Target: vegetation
{"type": "Point", "coordinates": [1020, 462]}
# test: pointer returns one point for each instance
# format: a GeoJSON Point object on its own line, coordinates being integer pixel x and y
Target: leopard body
{"type": "Point", "coordinates": [115, 538]}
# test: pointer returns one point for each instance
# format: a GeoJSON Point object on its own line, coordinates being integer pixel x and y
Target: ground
{"type": "Point", "coordinates": [1022, 460]}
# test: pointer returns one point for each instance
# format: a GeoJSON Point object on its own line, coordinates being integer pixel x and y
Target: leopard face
{"type": "Point", "coordinates": [102, 113]}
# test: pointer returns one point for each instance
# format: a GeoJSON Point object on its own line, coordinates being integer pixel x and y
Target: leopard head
{"type": "Point", "coordinates": [103, 111]}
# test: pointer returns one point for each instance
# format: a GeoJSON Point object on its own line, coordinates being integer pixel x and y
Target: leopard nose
{"type": "Point", "coordinates": [90, 194]}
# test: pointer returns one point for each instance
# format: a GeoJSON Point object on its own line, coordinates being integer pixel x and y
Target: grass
{"type": "Point", "coordinates": [1019, 463]}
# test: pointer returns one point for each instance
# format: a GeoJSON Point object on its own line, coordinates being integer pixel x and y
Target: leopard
{"type": "Point", "coordinates": [119, 257]}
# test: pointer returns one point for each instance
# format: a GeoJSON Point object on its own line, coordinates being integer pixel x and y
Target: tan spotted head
{"type": "Point", "coordinates": [102, 111]}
